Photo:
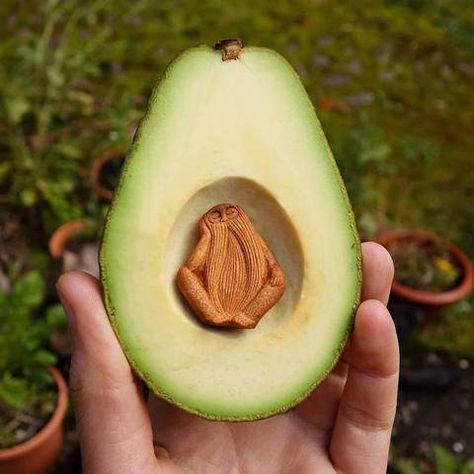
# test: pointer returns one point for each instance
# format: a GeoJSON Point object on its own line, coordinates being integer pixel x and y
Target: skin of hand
{"type": "Point", "coordinates": [343, 427]}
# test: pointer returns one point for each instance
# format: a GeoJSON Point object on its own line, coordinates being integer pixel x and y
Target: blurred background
{"type": "Point", "coordinates": [392, 84]}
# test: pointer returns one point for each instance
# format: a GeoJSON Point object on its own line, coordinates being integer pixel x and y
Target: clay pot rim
{"type": "Point", "coordinates": [434, 298]}
{"type": "Point", "coordinates": [99, 163]}
{"type": "Point", "coordinates": [61, 236]}
{"type": "Point", "coordinates": [49, 428]}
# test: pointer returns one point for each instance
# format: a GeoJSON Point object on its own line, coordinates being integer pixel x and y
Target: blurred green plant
{"type": "Point", "coordinates": [74, 78]}
{"type": "Point", "coordinates": [48, 112]}
{"type": "Point", "coordinates": [27, 392]}
{"type": "Point", "coordinates": [453, 333]}
{"type": "Point", "coordinates": [444, 462]}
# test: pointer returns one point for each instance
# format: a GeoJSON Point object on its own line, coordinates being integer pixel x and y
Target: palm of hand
{"type": "Point", "coordinates": [295, 442]}
{"type": "Point", "coordinates": [344, 426]}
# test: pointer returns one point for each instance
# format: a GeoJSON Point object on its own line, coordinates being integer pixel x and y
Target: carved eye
{"type": "Point", "coordinates": [215, 216]}
{"type": "Point", "coordinates": [231, 212]}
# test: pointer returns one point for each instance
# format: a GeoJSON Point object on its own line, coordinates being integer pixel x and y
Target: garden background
{"type": "Point", "coordinates": [392, 84]}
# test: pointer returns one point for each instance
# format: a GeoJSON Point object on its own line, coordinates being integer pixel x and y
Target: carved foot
{"type": "Point", "coordinates": [242, 321]}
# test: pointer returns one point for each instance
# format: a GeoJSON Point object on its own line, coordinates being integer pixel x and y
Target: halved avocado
{"type": "Point", "coordinates": [235, 128]}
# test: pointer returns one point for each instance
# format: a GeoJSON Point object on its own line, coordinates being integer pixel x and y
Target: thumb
{"type": "Point", "coordinates": [113, 422]}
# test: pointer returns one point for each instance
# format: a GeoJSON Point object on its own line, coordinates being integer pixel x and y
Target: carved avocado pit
{"type": "Point", "coordinates": [231, 278]}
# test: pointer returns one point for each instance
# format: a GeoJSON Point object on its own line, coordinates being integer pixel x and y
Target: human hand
{"type": "Point", "coordinates": [343, 427]}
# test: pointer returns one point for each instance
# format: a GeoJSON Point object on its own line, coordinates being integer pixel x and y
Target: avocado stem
{"type": "Point", "coordinates": [230, 48]}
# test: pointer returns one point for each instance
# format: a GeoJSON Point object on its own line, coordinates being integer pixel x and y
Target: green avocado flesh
{"type": "Point", "coordinates": [241, 131]}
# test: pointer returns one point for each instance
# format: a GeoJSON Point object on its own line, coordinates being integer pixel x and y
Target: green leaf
{"type": "Point", "coordinates": [445, 462]}
{"type": "Point", "coordinates": [4, 169]}
{"type": "Point", "coordinates": [29, 290]}
{"type": "Point", "coordinates": [28, 197]}
{"type": "Point", "coordinates": [408, 466]}
{"type": "Point", "coordinates": [44, 358]}
{"type": "Point", "coordinates": [377, 153]}
{"type": "Point", "coordinates": [16, 107]}
{"type": "Point", "coordinates": [55, 76]}
{"type": "Point", "coordinates": [39, 379]}
{"type": "Point", "coordinates": [468, 467]}
{"type": "Point", "coordinates": [56, 317]}
{"type": "Point", "coordinates": [13, 391]}
{"type": "Point", "coordinates": [69, 150]}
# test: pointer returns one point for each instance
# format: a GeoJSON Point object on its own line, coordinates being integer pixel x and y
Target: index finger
{"type": "Point", "coordinates": [321, 406]}
{"type": "Point", "coordinates": [377, 268]}
{"type": "Point", "coordinates": [361, 436]}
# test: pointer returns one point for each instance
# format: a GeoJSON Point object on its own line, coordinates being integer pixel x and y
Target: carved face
{"type": "Point", "coordinates": [222, 213]}
{"type": "Point", "coordinates": [236, 269]}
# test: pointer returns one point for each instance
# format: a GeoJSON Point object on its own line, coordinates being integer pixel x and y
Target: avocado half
{"type": "Point", "coordinates": [231, 125]}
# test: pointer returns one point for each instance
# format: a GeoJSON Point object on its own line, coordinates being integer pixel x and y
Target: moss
{"type": "Point", "coordinates": [452, 332]}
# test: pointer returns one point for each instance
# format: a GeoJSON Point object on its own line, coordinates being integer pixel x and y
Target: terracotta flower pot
{"type": "Point", "coordinates": [97, 169]}
{"type": "Point", "coordinates": [38, 454]}
{"type": "Point", "coordinates": [63, 234]}
{"type": "Point", "coordinates": [430, 298]}
{"type": "Point", "coordinates": [85, 256]}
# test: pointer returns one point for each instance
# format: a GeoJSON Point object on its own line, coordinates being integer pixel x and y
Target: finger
{"type": "Point", "coordinates": [114, 427]}
{"type": "Point", "coordinates": [361, 436]}
{"type": "Point", "coordinates": [320, 408]}
{"type": "Point", "coordinates": [377, 271]}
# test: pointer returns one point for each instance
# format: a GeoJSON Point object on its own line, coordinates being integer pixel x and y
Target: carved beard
{"type": "Point", "coordinates": [236, 269]}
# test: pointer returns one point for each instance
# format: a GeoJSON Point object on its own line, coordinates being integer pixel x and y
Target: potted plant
{"type": "Point", "coordinates": [428, 270]}
{"type": "Point", "coordinates": [33, 394]}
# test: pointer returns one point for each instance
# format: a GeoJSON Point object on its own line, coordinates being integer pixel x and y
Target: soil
{"type": "Point", "coordinates": [426, 267]}
{"type": "Point", "coordinates": [22, 426]}
{"type": "Point", "coordinates": [436, 394]}
{"type": "Point", "coordinates": [433, 414]}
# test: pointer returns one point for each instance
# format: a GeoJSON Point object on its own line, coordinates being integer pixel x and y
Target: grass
{"type": "Point", "coordinates": [75, 76]}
